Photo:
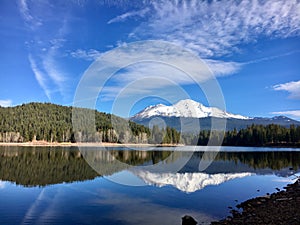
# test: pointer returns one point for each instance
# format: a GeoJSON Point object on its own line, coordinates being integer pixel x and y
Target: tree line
{"type": "Point", "coordinates": [255, 135]}
{"type": "Point", "coordinates": [53, 123]}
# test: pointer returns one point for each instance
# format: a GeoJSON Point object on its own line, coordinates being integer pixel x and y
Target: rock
{"type": "Point", "coordinates": [188, 220]}
{"type": "Point", "coordinates": [277, 209]}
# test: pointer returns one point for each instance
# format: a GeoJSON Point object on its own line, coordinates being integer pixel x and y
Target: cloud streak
{"type": "Point", "coordinates": [25, 13]}
{"type": "Point", "coordinates": [46, 48]}
{"type": "Point", "coordinates": [45, 67]}
{"type": "Point", "coordinates": [89, 55]}
{"type": "Point", "coordinates": [149, 66]}
{"type": "Point", "coordinates": [39, 76]}
{"type": "Point", "coordinates": [293, 88]}
{"type": "Point", "coordinates": [125, 16]}
{"type": "Point", "coordinates": [223, 68]}
{"type": "Point", "coordinates": [216, 28]}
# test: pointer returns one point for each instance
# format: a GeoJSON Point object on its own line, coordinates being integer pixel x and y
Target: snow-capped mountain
{"type": "Point", "coordinates": [187, 182]}
{"type": "Point", "coordinates": [185, 108]}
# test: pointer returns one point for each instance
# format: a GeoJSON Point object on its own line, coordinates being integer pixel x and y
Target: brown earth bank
{"type": "Point", "coordinates": [83, 144]}
{"type": "Point", "coordinates": [281, 208]}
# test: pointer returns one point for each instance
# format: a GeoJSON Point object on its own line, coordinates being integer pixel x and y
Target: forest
{"type": "Point", "coordinates": [255, 135]}
{"type": "Point", "coordinates": [53, 123]}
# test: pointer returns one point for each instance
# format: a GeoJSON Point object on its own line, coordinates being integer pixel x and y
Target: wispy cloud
{"type": "Point", "coordinates": [223, 68]}
{"type": "Point", "coordinates": [293, 88]}
{"type": "Point", "coordinates": [270, 58]}
{"type": "Point", "coordinates": [25, 13]}
{"type": "Point", "coordinates": [5, 102]}
{"type": "Point", "coordinates": [39, 76]}
{"type": "Point", "coordinates": [215, 28]}
{"type": "Point", "coordinates": [159, 67]}
{"type": "Point", "coordinates": [51, 67]}
{"type": "Point", "coordinates": [293, 113]}
{"type": "Point", "coordinates": [88, 55]}
{"type": "Point", "coordinates": [125, 16]}
{"type": "Point", "coordinates": [45, 51]}
{"type": "Point", "coordinates": [45, 67]}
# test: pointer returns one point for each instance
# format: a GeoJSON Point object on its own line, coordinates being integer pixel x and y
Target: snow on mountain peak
{"type": "Point", "coordinates": [187, 182]}
{"type": "Point", "coordinates": [185, 108]}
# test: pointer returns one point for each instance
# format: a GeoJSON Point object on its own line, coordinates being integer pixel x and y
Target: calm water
{"type": "Point", "coordinates": [47, 185]}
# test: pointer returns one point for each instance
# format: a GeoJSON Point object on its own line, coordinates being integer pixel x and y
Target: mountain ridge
{"type": "Point", "coordinates": [187, 123]}
{"type": "Point", "coordinates": [185, 108]}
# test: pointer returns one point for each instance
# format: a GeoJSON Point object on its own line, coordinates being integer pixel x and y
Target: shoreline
{"type": "Point", "coordinates": [280, 208]}
{"type": "Point", "coordinates": [84, 144]}
{"type": "Point", "coordinates": [110, 144]}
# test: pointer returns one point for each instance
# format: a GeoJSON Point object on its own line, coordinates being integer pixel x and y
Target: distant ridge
{"type": "Point", "coordinates": [187, 113]}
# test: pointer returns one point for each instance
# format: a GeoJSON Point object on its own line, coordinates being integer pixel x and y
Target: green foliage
{"type": "Point", "coordinates": [164, 136]}
{"type": "Point", "coordinates": [53, 123]}
{"type": "Point", "coordinates": [257, 135]}
{"type": "Point", "coordinates": [43, 166]}
{"type": "Point", "coordinates": [40, 166]}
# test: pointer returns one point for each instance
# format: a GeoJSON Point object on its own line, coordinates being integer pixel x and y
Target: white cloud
{"type": "Point", "coordinates": [221, 68]}
{"type": "Point", "coordinates": [47, 71]}
{"type": "Point", "coordinates": [125, 16]}
{"type": "Point", "coordinates": [152, 67]}
{"type": "Point", "coordinates": [50, 66]}
{"type": "Point", "coordinates": [5, 102]}
{"type": "Point", "coordinates": [269, 58]}
{"type": "Point", "coordinates": [89, 55]}
{"type": "Point", "coordinates": [25, 13]}
{"type": "Point", "coordinates": [215, 28]}
{"type": "Point", "coordinates": [293, 113]}
{"type": "Point", "coordinates": [47, 42]}
{"type": "Point", "coordinates": [39, 76]}
{"type": "Point", "coordinates": [292, 87]}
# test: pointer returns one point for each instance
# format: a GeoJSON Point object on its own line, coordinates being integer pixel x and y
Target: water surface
{"type": "Point", "coordinates": [56, 185]}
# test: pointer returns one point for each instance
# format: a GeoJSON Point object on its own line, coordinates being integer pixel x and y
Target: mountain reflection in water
{"type": "Point", "coordinates": [41, 166]}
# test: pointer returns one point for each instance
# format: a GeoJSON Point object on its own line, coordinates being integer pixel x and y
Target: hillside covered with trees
{"type": "Point", "coordinates": [53, 123]}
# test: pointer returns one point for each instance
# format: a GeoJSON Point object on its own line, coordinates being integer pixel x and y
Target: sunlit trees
{"type": "Point", "coordinates": [53, 123]}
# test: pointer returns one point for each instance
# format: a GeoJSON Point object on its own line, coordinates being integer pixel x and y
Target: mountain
{"type": "Point", "coordinates": [184, 115]}
{"type": "Point", "coordinates": [187, 182]}
{"type": "Point", "coordinates": [185, 108]}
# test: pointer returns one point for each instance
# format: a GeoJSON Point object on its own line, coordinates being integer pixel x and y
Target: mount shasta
{"type": "Point", "coordinates": [189, 112]}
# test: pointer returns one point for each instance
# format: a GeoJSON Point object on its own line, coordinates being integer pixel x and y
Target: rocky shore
{"type": "Point", "coordinates": [279, 208]}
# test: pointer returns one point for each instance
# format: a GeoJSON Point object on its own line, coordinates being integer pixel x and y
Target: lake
{"type": "Point", "coordinates": [119, 185]}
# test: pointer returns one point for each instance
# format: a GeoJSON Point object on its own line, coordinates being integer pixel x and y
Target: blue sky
{"type": "Point", "coordinates": [252, 48]}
